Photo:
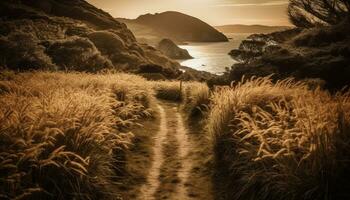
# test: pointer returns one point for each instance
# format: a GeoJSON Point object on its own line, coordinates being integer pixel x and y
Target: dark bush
{"type": "Point", "coordinates": [323, 36]}
{"type": "Point", "coordinates": [77, 54]}
{"type": "Point", "coordinates": [21, 51]}
{"type": "Point", "coordinates": [252, 45]}
{"type": "Point", "coordinates": [107, 42]}
{"type": "Point", "coordinates": [244, 56]}
{"type": "Point", "coordinates": [115, 48]}
{"type": "Point", "coordinates": [150, 68]}
{"type": "Point", "coordinates": [153, 76]}
{"type": "Point", "coordinates": [307, 14]}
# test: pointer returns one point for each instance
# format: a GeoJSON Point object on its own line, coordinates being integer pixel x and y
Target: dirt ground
{"type": "Point", "coordinates": [172, 163]}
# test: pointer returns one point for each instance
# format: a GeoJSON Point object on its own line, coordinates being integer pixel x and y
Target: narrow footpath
{"type": "Point", "coordinates": [174, 172]}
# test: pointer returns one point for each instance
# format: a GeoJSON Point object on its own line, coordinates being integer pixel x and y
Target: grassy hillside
{"type": "Point", "coordinates": [73, 35]}
{"type": "Point", "coordinates": [270, 140]}
{"type": "Point", "coordinates": [62, 133]}
{"type": "Point", "coordinates": [317, 53]}
{"type": "Point", "coordinates": [67, 135]}
{"type": "Point", "coordinates": [280, 141]}
{"type": "Point", "coordinates": [79, 119]}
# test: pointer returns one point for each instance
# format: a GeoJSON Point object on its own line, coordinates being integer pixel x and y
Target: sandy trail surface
{"type": "Point", "coordinates": [172, 163]}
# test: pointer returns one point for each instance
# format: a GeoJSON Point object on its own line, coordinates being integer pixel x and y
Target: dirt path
{"type": "Point", "coordinates": [148, 190]}
{"type": "Point", "coordinates": [184, 149]}
{"type": "Point", "coordinates": [173, 164]}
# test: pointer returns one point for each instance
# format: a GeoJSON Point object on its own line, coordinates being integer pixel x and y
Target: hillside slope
{"type": "Point", "coordinates": [72, 35]}
{"type": "Point", "coordinates": [176, 26]}
{"type": "Point", "coordinates": [316, 53]}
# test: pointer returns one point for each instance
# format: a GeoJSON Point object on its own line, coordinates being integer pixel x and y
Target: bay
{"type": "Point", "coordinates": [212, 57]}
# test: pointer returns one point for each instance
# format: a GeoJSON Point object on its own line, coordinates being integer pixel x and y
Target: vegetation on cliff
{"type": "Point", "coordinates": [72, 35]}
{"type": "Point", "coordinates": [318, 48]}
{"type": "Point", "coordinates": [316, 53]}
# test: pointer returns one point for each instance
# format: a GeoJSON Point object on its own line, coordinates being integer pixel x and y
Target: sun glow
{"type": "Point", "coordinates": [214, 12]}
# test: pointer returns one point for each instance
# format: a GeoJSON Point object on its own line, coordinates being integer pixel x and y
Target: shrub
{"type": "Point", "coordinates": [107, 42]}
{"type": "Point", "coordinates": [196, 98]}
{"type": "Point", "coordinates": [153, 76]}
{"type": "Point", "coordinates": [6, 75]}
{"type": "Point", "coordinates": [193, 95]}
{"type": "Point", "coordinates": [112, 46]}
{"type": "Point", "coordinates": [168, 90]}
{"type": "Point", "coordinates": [41, 27]}
{"type": "Point", "coordinates": [150, 68]}
{"type": "Point", "coordinates": [306, 13]}
{"type": "Point", "coordinates": [281, 141]}
{"type": "Point", "coordinates": [78, 54]}
{"type": "Point", "coordinates": [322, 36]}
{"type": "Point", "coordinates": [22, 51]}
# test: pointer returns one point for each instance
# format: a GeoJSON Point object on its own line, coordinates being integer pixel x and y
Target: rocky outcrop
{"type": "Point", "coordinates": [71, 35]}
{"type": "Point", "coordinates": [175, 26]}
{"type": "Point", "coordinates": [170, 49]}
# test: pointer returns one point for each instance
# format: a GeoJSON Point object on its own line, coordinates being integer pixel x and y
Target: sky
{"type": "Point", "coordinates": [214, 12]}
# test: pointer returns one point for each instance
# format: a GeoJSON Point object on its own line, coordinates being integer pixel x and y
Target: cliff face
{"type": "Point", "coordinates": [317, 53]}
{"type": "Point", "coordinates": [175, 26]}
{"type": "Point", "coordinates": [73, 35]}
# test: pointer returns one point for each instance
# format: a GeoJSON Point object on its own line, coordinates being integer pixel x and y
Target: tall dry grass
{"type": "Point", "coordinates": [281, 140]}
{"type": "Point", "coordinates": [61, 133]}
{"type": "Point", "coordinates": [193, 95]}
{"type": "Point", "coordinates": [168, 90]}
{"type": "Point", "coordinates": [196, 99]}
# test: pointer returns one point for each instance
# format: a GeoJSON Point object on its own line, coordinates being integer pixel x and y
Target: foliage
{"type": "Point", "coordinates": [307, 13]}
{"type": "Point", "coordinates": [168, 90]}
{"type": "Point", "coordinates": [282, 140]}
{"type": "Point", "coordinates": [107, 42]}
{"type": "Point", "coordinates": [194, 96]}
{"type": "Point", "coordinates": [78, 54]}
{"type": "Point", "coordinates": [22, 51]}
{"type": "Point", "coordinates": [60, 133]}
{"type": "Point", "coordinates": [319, 52]}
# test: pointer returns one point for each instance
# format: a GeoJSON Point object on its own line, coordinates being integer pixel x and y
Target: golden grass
{"type": "Point", "coordinates": [196, 98]}
{"type": "Point", "coordinates": [282, 140]}
{"type": "Point", "coordinates": [193, 95]}
{"type": "Point", "coordinates": [168, 90]}
{"type": "Point", "coordinates": [60, 132]}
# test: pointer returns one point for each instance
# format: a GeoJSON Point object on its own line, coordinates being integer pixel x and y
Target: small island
{"type": "Point", "coordinates": [170, 49]}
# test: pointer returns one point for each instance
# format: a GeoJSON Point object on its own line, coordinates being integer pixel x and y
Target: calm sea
{"type": "Point", "coordinates": [212, 57]}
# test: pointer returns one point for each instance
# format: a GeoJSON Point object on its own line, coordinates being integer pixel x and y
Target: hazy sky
{"type": "Point", "coordinates": [214, 12]}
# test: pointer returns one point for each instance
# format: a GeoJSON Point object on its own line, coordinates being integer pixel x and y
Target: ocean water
{"type": "Point", "coordinates": [212, 57]}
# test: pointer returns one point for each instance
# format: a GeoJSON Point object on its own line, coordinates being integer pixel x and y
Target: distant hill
{"type": "Point", "coordinates": [176, 26]}
{"type": "Point", "coordinates": [239, 28]}
{"type": "Point", "coordinates": [72, 35]}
